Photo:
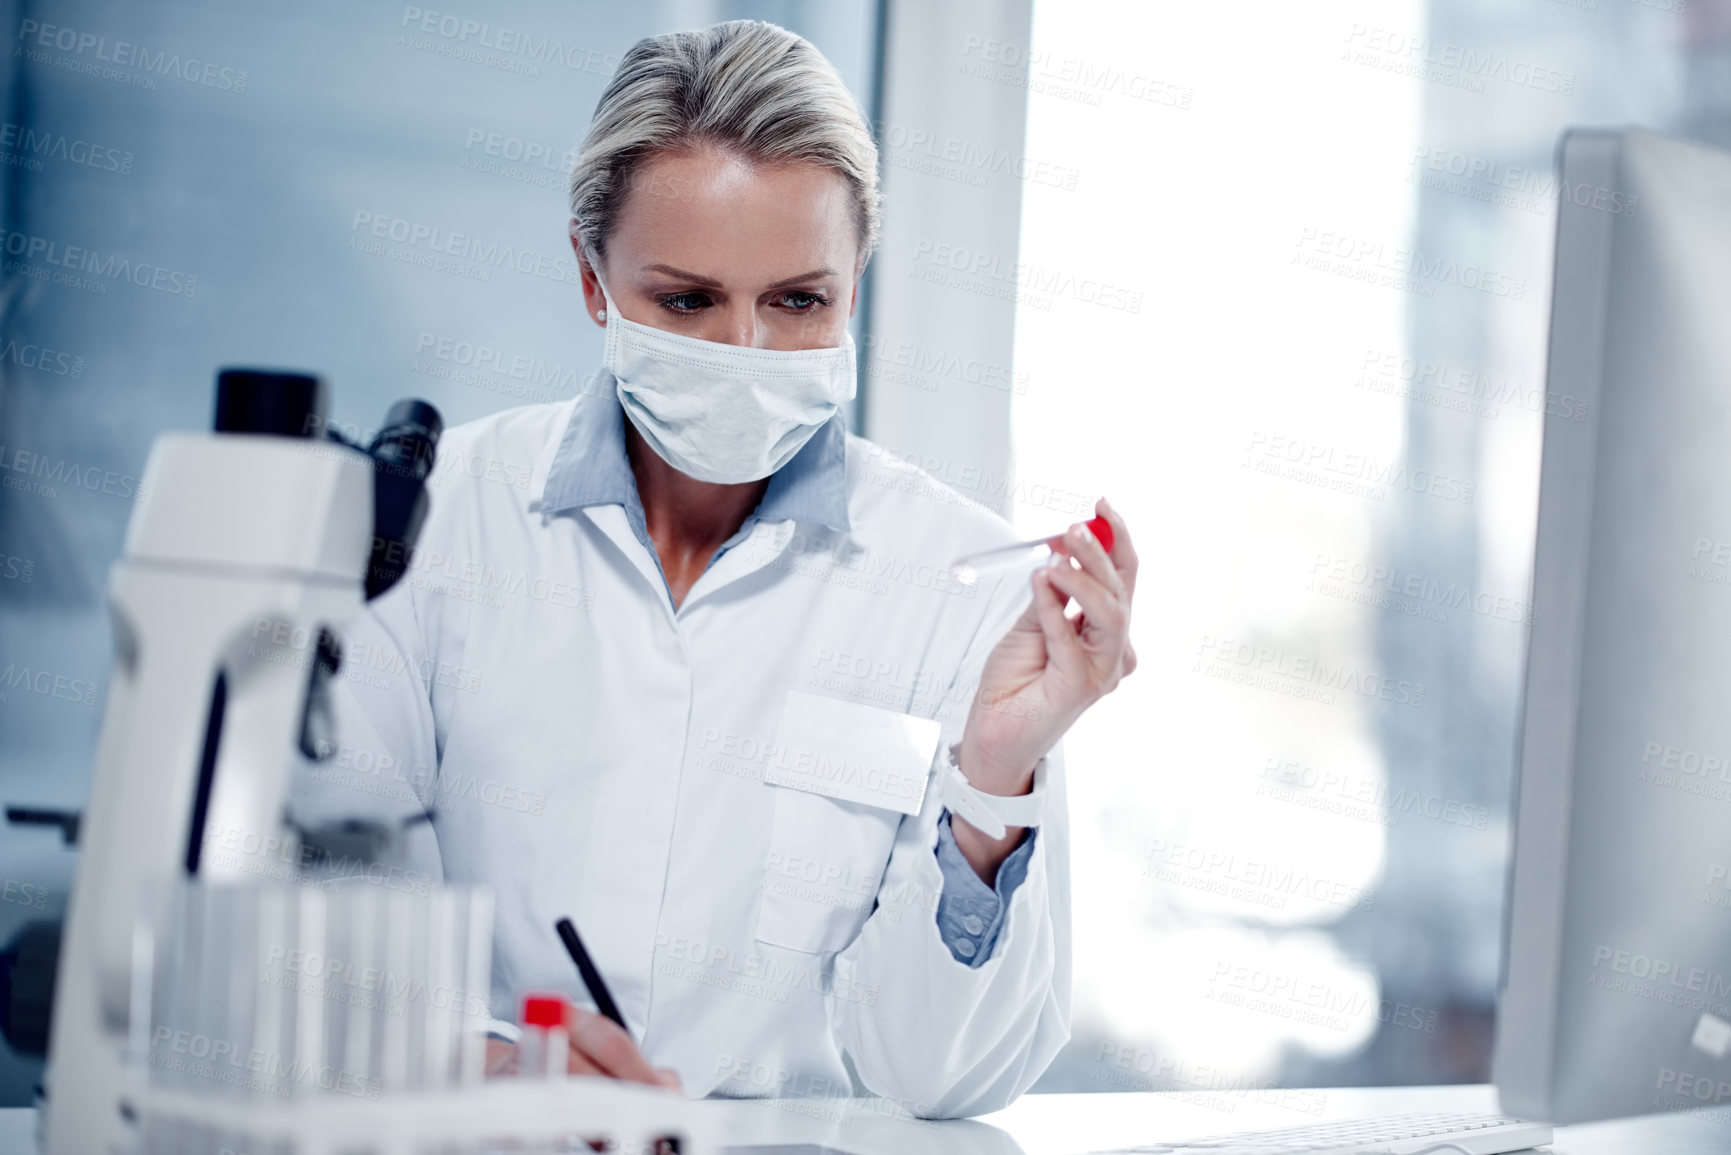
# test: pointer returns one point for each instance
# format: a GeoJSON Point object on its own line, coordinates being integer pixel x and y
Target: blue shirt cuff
{"type": "Point", "coordinates": [971, 914]}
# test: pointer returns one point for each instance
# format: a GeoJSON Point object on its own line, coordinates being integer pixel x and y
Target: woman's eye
{"type": "Point", "coordinates": [683, 302]}
{"type": "Point", "coordinates": [801, 302]}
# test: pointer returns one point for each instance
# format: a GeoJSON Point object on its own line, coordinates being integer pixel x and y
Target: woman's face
{"type": "Point", "coordinates": [710, 246]}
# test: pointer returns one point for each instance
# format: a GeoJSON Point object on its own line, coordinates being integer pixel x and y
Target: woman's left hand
{"type": "Point", "coordinates": [1049, 668]}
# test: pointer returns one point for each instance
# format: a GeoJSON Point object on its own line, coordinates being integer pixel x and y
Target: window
{"type": "Point", "coordinates": [1290, 316]}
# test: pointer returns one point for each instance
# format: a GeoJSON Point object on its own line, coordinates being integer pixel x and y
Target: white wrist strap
{"type": "Point", "coordinates": [992, 814]}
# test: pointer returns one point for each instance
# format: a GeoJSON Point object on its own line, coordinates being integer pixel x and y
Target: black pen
{"type": "Point", "coordinates": [591, 977]}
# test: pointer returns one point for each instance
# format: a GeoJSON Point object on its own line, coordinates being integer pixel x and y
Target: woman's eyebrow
{"type": "Point", "coordinates": [710, 282]}
{"type": "Point", "coordinates": [814, 275]}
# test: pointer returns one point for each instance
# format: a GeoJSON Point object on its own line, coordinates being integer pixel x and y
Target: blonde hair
{"type": "Point", "coordinates": [747, 86]}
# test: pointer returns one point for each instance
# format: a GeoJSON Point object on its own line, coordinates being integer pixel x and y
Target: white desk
{"type": "Point", "coordinates": [1068, 1124]}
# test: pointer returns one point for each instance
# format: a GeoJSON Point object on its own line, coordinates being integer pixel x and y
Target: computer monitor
{"type": "Point", "coordinates": [1617, 981]}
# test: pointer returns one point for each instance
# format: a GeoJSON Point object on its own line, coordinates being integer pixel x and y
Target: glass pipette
{"type": "Point", "coordinates": [968, 570]}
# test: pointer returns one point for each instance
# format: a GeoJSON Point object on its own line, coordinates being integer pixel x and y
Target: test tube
{"type": "Point", "coordinates": [443, 973]}
{"type": "Point", "coordinates": [274, 1014]}
{"type": "Point", "coordinates": [307, 1047]}
{"type": "Point", "coordinates": [395, 1062]}
{"type": "Point", "coordinates": [363, 982]}
{"type": "Point", "coordinates": [544, 1048]}
{"type": "Point", "coordinates": [971, 568]}
{"type": "Point", "coordinates": [477, 984]}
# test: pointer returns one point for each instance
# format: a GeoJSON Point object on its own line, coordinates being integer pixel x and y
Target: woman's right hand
{"type": "Point", "coordinates": [598, 1047]}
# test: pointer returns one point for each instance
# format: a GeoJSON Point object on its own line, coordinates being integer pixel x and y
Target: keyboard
{"type": "Point", "coordinates": [1389, 1135]}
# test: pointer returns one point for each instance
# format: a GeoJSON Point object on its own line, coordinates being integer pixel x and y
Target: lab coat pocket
{"type": "Point", "coordinates": [821, 873]}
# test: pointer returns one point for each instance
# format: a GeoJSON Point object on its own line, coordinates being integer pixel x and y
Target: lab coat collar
{"type": "Point", "coordinates": [590, 467]}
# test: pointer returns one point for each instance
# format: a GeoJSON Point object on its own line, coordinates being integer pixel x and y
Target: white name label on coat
{"type": "Point", "coordinates": [856, 753]}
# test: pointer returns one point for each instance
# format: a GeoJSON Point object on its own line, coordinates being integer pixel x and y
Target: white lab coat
{"type": "Point", "coordinates": [589, 752]}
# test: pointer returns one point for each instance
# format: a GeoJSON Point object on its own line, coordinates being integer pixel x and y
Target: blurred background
{"type": "Point", "coordinates": [1274, 278]}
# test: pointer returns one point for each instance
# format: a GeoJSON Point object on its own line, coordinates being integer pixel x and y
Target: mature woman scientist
{"type": "Point", "coordinates": [721, 589]}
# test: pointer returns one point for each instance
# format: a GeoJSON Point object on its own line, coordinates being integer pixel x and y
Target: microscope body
{"type": "Point", "coordinates": [243, 561]}
{"type": "Point", "coordinates": [251, 549]}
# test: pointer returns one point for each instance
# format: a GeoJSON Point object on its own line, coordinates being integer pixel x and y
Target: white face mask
{"type": "Point", "coordinates": [723, 413]}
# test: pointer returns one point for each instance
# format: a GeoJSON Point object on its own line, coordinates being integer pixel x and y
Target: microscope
{"type": "Point", "coordinates": [251, 549]}
{"type": "Point", "coordinates": [270, 521]}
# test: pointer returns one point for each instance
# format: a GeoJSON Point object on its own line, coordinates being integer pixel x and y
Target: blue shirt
{"type": "Point", "coordinates": [592, 468]}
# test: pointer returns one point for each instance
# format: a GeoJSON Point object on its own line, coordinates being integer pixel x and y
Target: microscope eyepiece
{"type": "Point", "coordinates": [266, 401]}
{"type": "Point", "coordinates": [408, 438]}
{"type": "Point", "coordinates": [403, 452]}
